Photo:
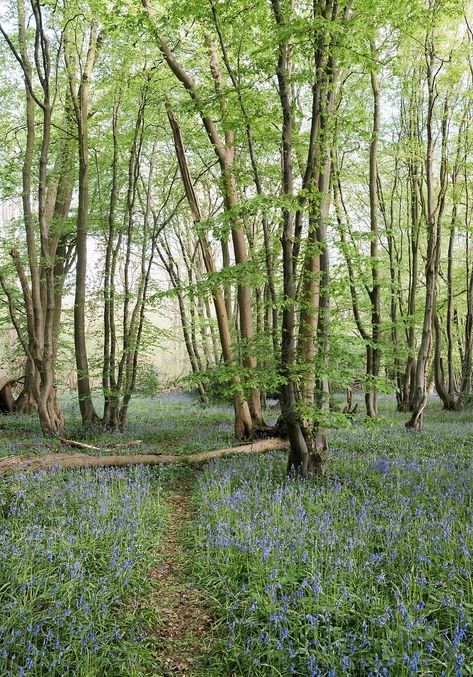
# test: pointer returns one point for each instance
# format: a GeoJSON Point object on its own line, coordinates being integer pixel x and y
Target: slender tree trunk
{"type": "Point", "coordinates": [468, 345]}
{"type": "Point", "coordinates": [81, 106]}
{"type": "Point", "coordinates": [439, 373]}
{"type": "Point", "coordinates": [243, 420]}
{"type": "Point", "coordinates": [373, 346]}
{"type": "Point", "coordinates": [172, 270]}
{"type": "Point", "coordinates": [257, 182]}
{"type": "Point", "coordinates": [224, 149]}
{"type": "Point", "coordinates": [110, 417]}
{"type": "Point", "coordinates": [417, 214]}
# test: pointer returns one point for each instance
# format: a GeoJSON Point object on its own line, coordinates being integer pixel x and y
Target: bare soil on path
{"type": "Point", "coordinates": [185, 635]}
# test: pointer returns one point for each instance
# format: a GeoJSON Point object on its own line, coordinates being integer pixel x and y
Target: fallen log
{"type": "Point", "coordinates": [71, 461]}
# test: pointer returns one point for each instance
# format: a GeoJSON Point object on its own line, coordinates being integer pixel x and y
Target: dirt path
{"type": "Point", "coordinates": [184, 638]}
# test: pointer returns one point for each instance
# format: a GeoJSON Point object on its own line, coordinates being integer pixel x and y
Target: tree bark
{"type": "Point", "coordinates": [39, 290]}
{"type": "Point", "coordinates": [432, 259]}
{"type": "Point", "coordinates": [299, 458]}
{"type": "Point", "coordinates": [224, 149]}
{"type": "Point", "coordinates": [373, 346]}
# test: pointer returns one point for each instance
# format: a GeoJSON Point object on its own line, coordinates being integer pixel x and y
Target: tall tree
{"type": "Point", "coordinates": [79, 81]}
{"type": "Point", "coordinates": [39, 286]}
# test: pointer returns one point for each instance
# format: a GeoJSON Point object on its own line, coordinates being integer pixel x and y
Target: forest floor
{"type": "Point", "coordinates": [185, 630]}
{"type": "Point", "coordinates": [236, 569]}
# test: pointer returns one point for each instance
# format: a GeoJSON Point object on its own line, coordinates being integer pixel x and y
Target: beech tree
{"type": "Point", "coordinates": [297, 175]}
{"type": "Point", "coordinates": [41, 289]}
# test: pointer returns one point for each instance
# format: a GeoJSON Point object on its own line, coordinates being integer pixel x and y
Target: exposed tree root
{"type": "Point", "coordinates": [70, 461]}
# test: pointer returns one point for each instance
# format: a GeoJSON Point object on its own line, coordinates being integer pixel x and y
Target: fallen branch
{"type": "Point", "coordinates": [70, 461]}
{"type": "Point", "coordinates": [83, 445]}
{"type": "Point", "coordinates": [79, 445]}
{"type": "Point", "coordinates": [125, 445]}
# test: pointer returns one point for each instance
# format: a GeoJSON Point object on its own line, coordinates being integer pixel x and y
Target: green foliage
{"type": "Point", "coordinates": [150, 222]}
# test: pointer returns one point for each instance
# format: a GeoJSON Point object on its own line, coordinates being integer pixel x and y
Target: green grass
{"type": "Point", "coordinates": [173, 424]}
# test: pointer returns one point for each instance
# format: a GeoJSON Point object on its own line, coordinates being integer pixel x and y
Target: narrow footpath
{"type": "Point", "coordinates": [185, 632]}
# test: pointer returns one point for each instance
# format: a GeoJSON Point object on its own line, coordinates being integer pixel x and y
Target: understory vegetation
{"type": "Point", "coordinates": [365, 571]}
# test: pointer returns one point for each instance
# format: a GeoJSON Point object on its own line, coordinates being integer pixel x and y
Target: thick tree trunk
{"type": "Point", "coordinates": [314, 297]}
{"type": "Point", "coordinates": [39, 290]}
{"type": "Point", "coordinates": [298, 458]}
{"type": "Point", "coordinates": [50, 416]}
{"type": "Point", "coordinates": [25, 402]}
{"type": "Point", "coordinates": [308, 451]}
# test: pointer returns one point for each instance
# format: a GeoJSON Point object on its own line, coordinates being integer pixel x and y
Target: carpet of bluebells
{"type": "Point", "coordinates": [75, 549]}
{"type": "Point", "coordinates": [367, 572]}
{"type": "Point", "coordinates": [368, 575]}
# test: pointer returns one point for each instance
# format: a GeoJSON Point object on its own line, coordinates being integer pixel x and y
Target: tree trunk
{"type": "Point", "coordinates": [439, 373]}
{"type": "Point", "coordinates": [7, 401]}
{"type": "Point", "coordinates": [416, 213]}
{"type": "Point", "coordinates": [243, 419]}
{"type": "Point", "coordinates": [81, 105]}
{"type": "Point", "coordinates": [433, 249]}
{"type": "Point", "coordinates": [39, 290]}
{"type": "Point", "coordinates": [372, 348]}
{"type": "Point", "coordinates": [25, 402]}
{"type": "Point", "coordinates": [308, 451]}
{"type": "Point", "coordinates": [50, 416]}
